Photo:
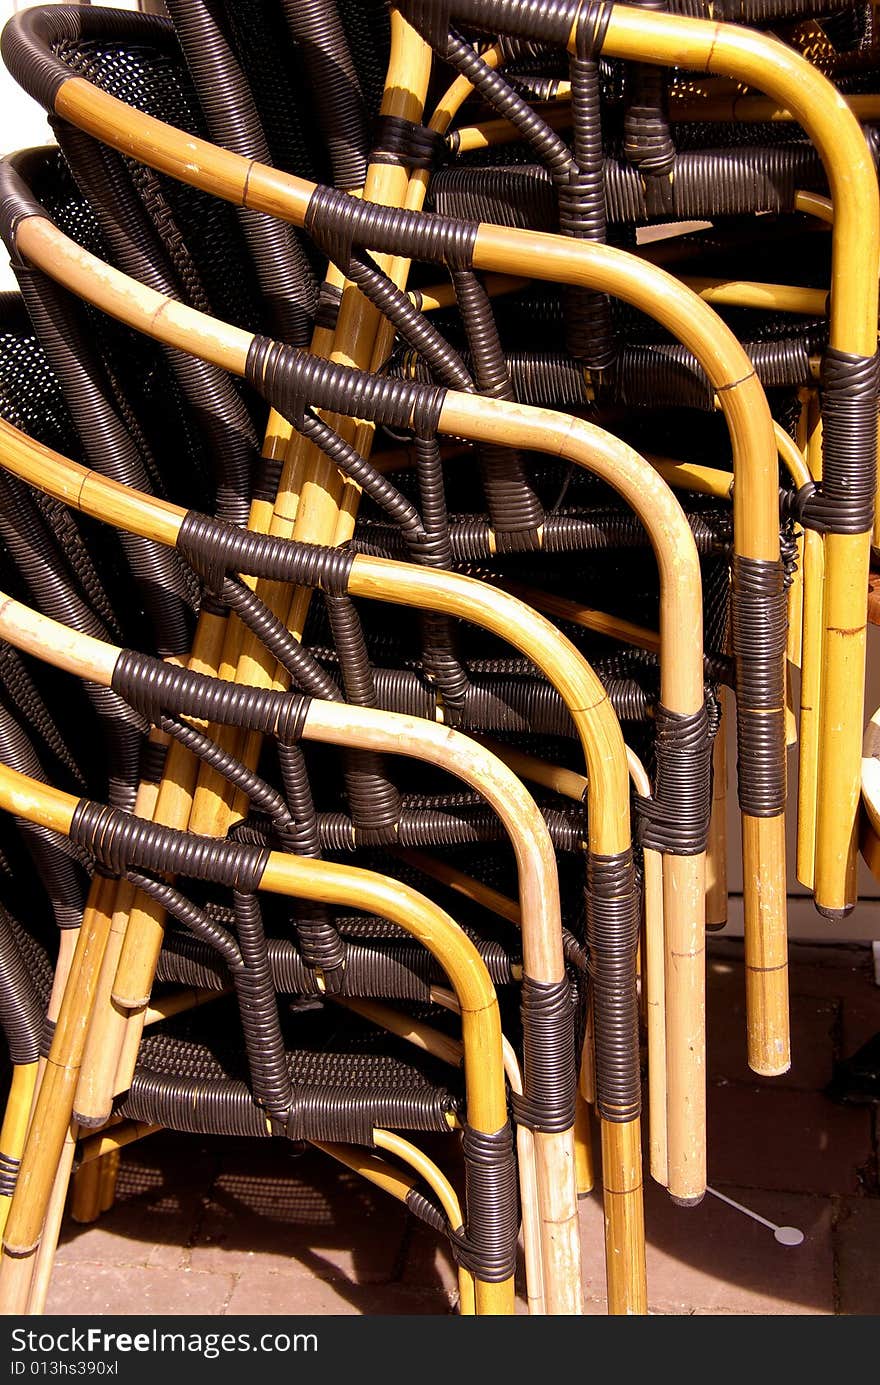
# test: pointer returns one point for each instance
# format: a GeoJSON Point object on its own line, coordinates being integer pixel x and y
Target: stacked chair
{"type": "Point", "coordinates": [390, 524]}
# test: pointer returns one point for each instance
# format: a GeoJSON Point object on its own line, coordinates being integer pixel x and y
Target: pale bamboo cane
{"type": "Point", "coordinates": [15, 1123]}
{"type": "Point", "coordinates": [54, 1102]}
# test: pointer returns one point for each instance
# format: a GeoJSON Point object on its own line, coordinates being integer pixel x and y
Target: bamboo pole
{"type": "Point", "coordinates": [585, 1170]}
{"type": "Point", "coordinates": [484, 895]}
{"type": "Point", "coordinates": [740, 293]}
{"type": "Point", "coordinates": [538, 914]}
{"type": "Point", "coordinates": [683, 876]}
{"type": "Point", "coordinates": [110, 1165]}
{"type": "Point", "coordinates": [622, 1183]}
{"type": "Point", "coordinates": [93, 1150]}
{"type": "Point", "coordinates": [811, 669]}
{"type": "Point", "coordinates": [814, 204]}
{"type": "Point", "coordinates": [49, 1126]}
{"type": "Point", "coordinates": [85, 1199]}
{"type": "Point", "coordinates": [716, 856]}
{"type": "Point", "coordinates": [98, 1069]}
{"type": "Point", "coordinates": [15, 1123]}
{"type": "Point", "coordinates": [44, 1256]}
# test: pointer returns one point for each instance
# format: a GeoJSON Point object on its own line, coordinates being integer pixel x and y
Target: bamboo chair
{"type": "Point", "coordinates": [693, 1189]}
{"type": "Point", "coordinates": [539, 918]}
{"type": "Point", "coordinates": [471, 607]}
{"type": "Point", "coordinates": [682, 542]}
{"type": "Point", "coordinates": [407, 969]}
{"type": "Point", "coordinates": [696, 331]}
{"type": "Point", "coordinates": [212, 1108]}
{"type": "Point", "coordinates": [785, 76]}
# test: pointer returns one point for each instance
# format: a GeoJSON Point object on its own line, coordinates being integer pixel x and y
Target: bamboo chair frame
{"type": "Point", "coordinates": [561, 260]}
{"type": "Point", "coordinates": [539, 918]}
{"type": "Point", "coordinates": [790, 80]}
{"type": "Point", "coordinates": [586, 699]}
{"type": "Point", "coordinates": [343, 884]}
{"type": "Point", "coordinates": [304, 470]}
{"type": "Point", "coordinates": [307, 488]}
{"type": "Point", "coordinates": [681, 679]}
{"type": "Point", "coordinates": [610, 32]}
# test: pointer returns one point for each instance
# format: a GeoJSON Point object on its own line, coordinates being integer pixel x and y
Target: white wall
{"type": "Point", "coordinates": [22, 121]}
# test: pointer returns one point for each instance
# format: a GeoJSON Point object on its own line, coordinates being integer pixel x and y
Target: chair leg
{"type": "Point", "coordinates": [12, 1135]}
{"type": "Point", "coordinates": [44, 1260]}
{"type": "Point", "coordinates": [583, 1146]}
{"type": "Point", "coordinates": [716, 856]}
{"type": "Point", "coordinates": [625, 1271]}
{"type": "Point", "coordinates": [85, 1199]}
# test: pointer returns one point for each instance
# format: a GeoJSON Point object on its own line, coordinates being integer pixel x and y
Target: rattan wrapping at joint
{"type": "Point", "coordinates": [759, 626]}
